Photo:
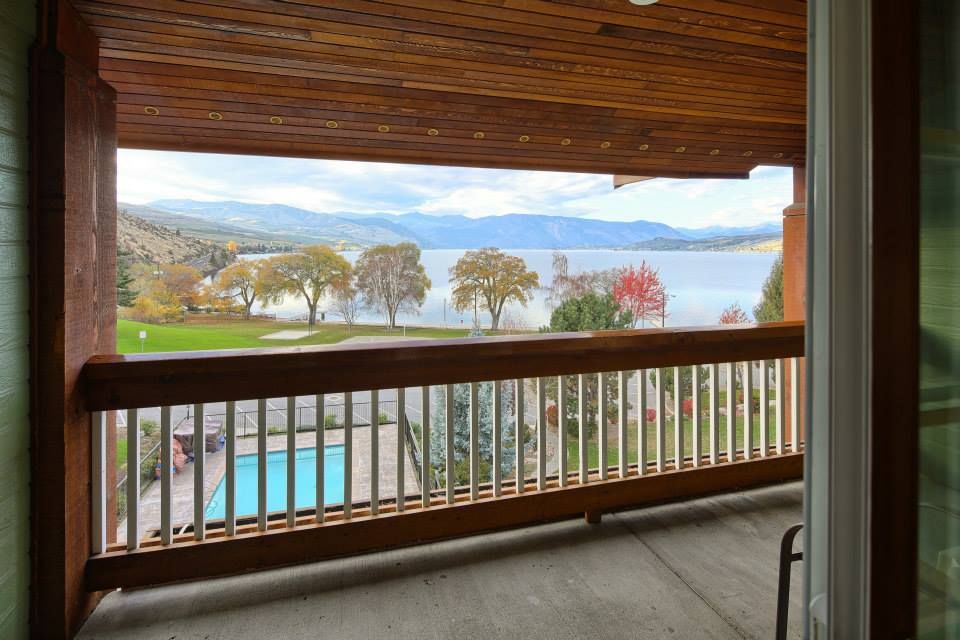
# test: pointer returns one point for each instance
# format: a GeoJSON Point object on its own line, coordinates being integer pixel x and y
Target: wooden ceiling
{"type": "Point", "coordinates": [682, 88]}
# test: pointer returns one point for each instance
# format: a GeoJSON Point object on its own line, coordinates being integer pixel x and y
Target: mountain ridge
{"type": "Point", "coordinates": [252, 221]}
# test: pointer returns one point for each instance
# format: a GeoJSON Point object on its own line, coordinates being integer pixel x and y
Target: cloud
{"type": "Point", "coordinates": [331, 186]}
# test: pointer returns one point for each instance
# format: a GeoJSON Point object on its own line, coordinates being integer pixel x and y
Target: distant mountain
{"type": "Point", "coordinates": [745, 243]}
{"type": "Point", "coordinates": [520, 231]}
{"type": "Point", "coordinates": [727, 232]}
{"type": "Point", "coordinates": [265, 222]}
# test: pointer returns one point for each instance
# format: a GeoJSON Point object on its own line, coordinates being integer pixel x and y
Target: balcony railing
{"type": "Point", "coordinates": [544, 427]}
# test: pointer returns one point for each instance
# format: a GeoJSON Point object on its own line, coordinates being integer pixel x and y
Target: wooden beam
{"type": "Point", "coordinates": [73, 303]}
{"type": "Point", "coordinates": [313, 542]}
{"type": "Point", "coordinates": [150, 380]}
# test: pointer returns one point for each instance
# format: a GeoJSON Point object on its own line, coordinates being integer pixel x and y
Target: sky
{"type": "Point", "coordinates": [331, 186]}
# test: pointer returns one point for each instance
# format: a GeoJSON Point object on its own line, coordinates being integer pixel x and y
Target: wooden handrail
{"type": "Point", "coordinates": [150, 380]}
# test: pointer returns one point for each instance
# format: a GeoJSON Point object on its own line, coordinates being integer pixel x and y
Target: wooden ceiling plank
{"type": "Point", "coordinates": [124, 38]}
{"type": "Point", "coordinates": [762, 12]}
{"type": "Point", "coordinates": [172, 55]}
{"type": "Point", "coordinates": [665, 65]}
{"type": "Point", "coordinates": [586, 147]}
{"type": "Point", "coordinates": [413, 98]}
{"type": "Point", "coordinates": [337, 51]}
{"type": "Point", "coordinates": [454, 157]}
{"type": "Point", "coordinates": [134, 104]}
{"type": "Point", "coordinates": [788, 40]}
{"type": "Point", "coordinates": [793, 138]}
{"type": "Point", "coordinates": [180, 63]}
{"type": "Point", "coordinates": [169, 142]}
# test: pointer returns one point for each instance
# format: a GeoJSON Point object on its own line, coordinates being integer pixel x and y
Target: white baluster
{"type": "Point", "coordinates": [262, 464]}
{"type": "Point", "coordinates": [98, 477]}
{"type": "Point", "coordinates": [347, 454]}
{"type": "Point", "coordinates": [623, 443]}
{"type": "Point", "coordinates": [583, 442]}
{"type": "Point", "coordinates": [292, 461]}
{"type": "Point", "coordinates": [678, 456]}
{"type": "Point", "coordinates": [603, 419]}
{"type": "Point", "coordinates": [695, 444]}
{"type": "Point", "coordinates": [714, 413]}
{"type": "Point", "coordinates": [779, 404]}
{"type": "Point", "coordinates": [747, 410]}
{"type": "Point", "coordinates": [731, 412]}
{"type": "Point", "coordinates": [764, 409]}
{"type": "Point", "coordinates": [374, 452]}
{"type": "Point", "coordinates": [474, 441]}
{"type": "Point", "coordinates": [166, 477]}
{"type": "Point", "coordinates": [641, 422]}
{"type": "Point", "coordinates": [541, 434]}
{"type": "Point", "coordinates": [320, 448]}
{"type": "Point", "coordinates": [401, 448]}
{"type": "Point", "coordinates": [518, 442]}
{"type": "Point", "coordinates": [562, 425]}
{"type": "Point", "coordinates": [426, 476]}
{"type": "Point", "coordinates": [661, 421]}
{"type": "Point", "coordinates": [496, 418]}
{"type": "Point", "coordinates": [199, 471]}
{"type": "Point", "coordinates": [795, 404]}
{"type": "Point", "coordinates": [451, 479]}
{"type": "Point", "coordinates": [133, 479]}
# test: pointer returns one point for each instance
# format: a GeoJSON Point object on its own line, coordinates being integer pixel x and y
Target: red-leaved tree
{"type": "Point", "coordinates": [640, 291]}
{"type": "Point", "coordinates": [734, 315]}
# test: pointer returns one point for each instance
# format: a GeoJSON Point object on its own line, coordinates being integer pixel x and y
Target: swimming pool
{"type": "Point", "coordinates": [306, 488]}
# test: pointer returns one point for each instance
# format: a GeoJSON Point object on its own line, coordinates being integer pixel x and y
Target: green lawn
{"type": "Point", "coordinates": [237, 334]}
{"type": "Point", "coordinates": [613, 455]}
{"type": "Point", "coordinates": [121, 452]}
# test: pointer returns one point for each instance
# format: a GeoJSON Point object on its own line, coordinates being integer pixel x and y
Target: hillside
{"type": "Point", "coordinates": [765, 242]}
{"type": "Point", "coordinates": [250, 223]}
{"type": "Point", "coordinates": [148, 242]}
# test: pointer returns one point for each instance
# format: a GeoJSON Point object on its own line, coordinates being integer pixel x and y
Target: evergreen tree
{"type": "Point", "coordinates": [125, 292]}
{"type": "Point", "coordinates": [770, 307]}
{"type": "Point", "coordinates": [588, 312]}
{"type": "Point", "coordinates": [461, 431]}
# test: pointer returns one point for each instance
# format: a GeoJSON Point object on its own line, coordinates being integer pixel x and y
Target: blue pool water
{"type": "Point", "coordinates": [306, 486]}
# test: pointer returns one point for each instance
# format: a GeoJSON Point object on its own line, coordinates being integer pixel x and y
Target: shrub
{"type": "Point", "coordinates": [383, 418]}
{"type": "Point", "coordinates": [651, 415]}
{"type": "Point", "coordinates": [330, 422]}
{"type": "Point", "coordinates": [552, 415]}
{"type": "Point", "coordinates": [688, 407]}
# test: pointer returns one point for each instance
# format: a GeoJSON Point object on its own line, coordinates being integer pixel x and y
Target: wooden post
{"type": "Point", "coordinates": [73, 304]}
{"type": "Point", "coordinates": [795, 276]}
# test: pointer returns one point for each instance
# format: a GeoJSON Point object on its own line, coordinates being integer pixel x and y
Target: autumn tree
{"type": "Point", "coordinates": [491, 278]}
{"type": "Point", "coordinates": [245, 281]}
{"type": "Point", "coordinates": [640, 291]}
{"type": "Point", "coordinates": [733, 315]}
{"type": "Point", "coordinates": [309, 274]}
{"type": "Point", "coordinates": [770, 307]}
{"type": "Point", "coordinates": [347, 301]}
{"type": "Point", "coordinates": [391, 279]}
{"type": "Point", "coordinates": [182, 281]}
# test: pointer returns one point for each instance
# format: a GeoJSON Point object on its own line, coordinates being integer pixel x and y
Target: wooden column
{"type": "Point", "coordinates": [73, 303]}
{"type": "Point", "coordinates": [795, 276]}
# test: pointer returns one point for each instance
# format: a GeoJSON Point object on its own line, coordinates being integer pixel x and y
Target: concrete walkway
{"type": "Point", "coordinates": [701, 569]}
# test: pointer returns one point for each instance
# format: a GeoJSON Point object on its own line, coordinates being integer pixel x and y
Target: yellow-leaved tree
{"type": "Point", "coordinates": [309, 274]}
{"type": "Point", "coordinates": [490, 279]}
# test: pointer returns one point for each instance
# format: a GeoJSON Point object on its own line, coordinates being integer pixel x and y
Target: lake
{"type": "Point", "coordinates": [700, 285]}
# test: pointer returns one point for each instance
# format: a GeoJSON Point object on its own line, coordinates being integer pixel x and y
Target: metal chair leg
{"type": "Point", "coordinates": [787, 557]}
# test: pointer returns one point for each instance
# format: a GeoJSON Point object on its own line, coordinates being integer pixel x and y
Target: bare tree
{"type": "Point", "coordinates": [392, 279]}
{"type": "Point", "coordinates": [347, 301]}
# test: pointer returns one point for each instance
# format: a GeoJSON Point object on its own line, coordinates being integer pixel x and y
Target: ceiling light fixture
{"type": "Point", "coordinates": [643, 3]}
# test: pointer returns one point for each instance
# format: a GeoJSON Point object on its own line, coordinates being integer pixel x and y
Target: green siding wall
{"type": "Point", "coordinates": [17, 22]}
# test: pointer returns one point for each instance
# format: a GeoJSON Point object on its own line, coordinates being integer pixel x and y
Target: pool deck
{"type": "Point", "coordinates": [182, 483]}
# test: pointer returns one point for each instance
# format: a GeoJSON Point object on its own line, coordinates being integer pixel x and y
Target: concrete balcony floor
{"type": "Point", "coordinates": [704, 568]}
